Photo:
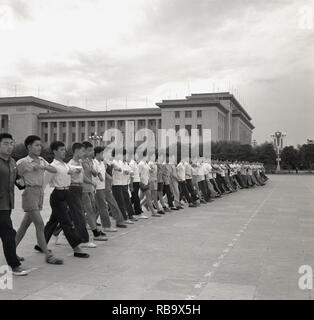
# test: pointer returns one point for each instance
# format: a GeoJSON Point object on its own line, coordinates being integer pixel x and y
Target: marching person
{"type": "Point", "coordinates": [32, 169]}
{"type": "Point", "coordinates": [60, 200]}
{"type": "Point", "coordinates": [8, 173]}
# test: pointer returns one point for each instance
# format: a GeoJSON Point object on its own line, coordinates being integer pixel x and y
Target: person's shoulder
{"type": "Point", "coordinates": [23, 160]}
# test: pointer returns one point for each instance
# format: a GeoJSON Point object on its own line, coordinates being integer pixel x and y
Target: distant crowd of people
{"type": "Point", "coordinates": [94, 186]}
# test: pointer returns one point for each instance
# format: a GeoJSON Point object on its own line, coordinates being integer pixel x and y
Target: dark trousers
{"type": "Point", "coordinates": [77, 213]}
{"type": "Point", "coordinates": [59, 202]}
{"type": "Point", "coordinates": [184, 191]}
{"type": "Point", "coordinates": [127, 201]}
{"type": "Point", "coordinates": [168, 194]}
{"type": "Point", "coordinates": [215, 185]}
{"type": "Point", "coordinates": [191, 190]}
{"type": "Point", "coordinates": [118, 194]}
{"type": "Point", "coordinates": [135, 198]}
{"type": "Point", "coordinates": [204, 189]}
{"type": "Point", "coordinates": [7, 235]}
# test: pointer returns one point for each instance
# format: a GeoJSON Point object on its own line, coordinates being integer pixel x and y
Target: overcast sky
{"type": "Point", "coordinates": [135, 53]}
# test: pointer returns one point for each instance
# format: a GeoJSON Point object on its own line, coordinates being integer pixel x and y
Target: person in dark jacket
{"type": "Point", "coordinates": [8, 174]}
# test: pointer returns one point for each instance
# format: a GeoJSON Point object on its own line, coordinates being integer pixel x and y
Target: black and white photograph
{"type": "Point", "coordinates": [156, 151]}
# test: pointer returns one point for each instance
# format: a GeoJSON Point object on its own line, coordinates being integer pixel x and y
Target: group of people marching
{"type": "Point", "coordinates": [96, 185]}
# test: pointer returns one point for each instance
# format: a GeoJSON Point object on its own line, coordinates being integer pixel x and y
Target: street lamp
{"type": "Point", "coordinates": [95, 139]}
{"type": "Point", "coordinates": [278, 145]}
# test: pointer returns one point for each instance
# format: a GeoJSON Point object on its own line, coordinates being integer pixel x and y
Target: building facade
{"type": "Point", "coordinates": [220, 112]}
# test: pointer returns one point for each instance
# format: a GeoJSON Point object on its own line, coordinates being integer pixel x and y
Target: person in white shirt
{"type": "Point", "coordinates": [60, 200]}
{"type": "Point", "coordinates": [144, 171]}
{"type": "Point", "coordinates": [135, 188]}
{"type": "Point", "coordinates": [189, 181]}
{"type": "Point", "coordinates": [153, 185]}
{"type": "Point", "coordinates": [119, 180]}
{"type": "Point", "coordinates": [100, 197]}
{"type": "Point", "coordinates": [174, 184]}
{"type": "Point", "coordinates": [182, 184]}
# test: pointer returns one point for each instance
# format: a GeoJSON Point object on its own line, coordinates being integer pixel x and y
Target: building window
{"type": "Point", "coordinates": [120, 123]}
{"type": "Point", "coordinates": [188, 114]}
{"type": "Point", "coordinates": [141, 123]}
{"type": "Point", "coordinates": [64, 124]}
{"type": "Point", "coordinates": [73, 136]}
{"type": "Point", "coordinates": [110, 123]}
{"type": "Point", "coordinates": [177, 114]}
{"type": "Point", "coordinates": [54, 125]}
{"type": "Point", "coordinates": [188, 128]}
{"type": "Point", "coordinates": [101, 123]}
{"type": "Point", "coordinates": [199, 113]}
{"type": "Point", "coordinates": [54, 137]}
{"type": "Point", "coordinates": [45, 124]}
{"type": "Point", "coordinates": [73, 124]}
{"type": "Point", "coordinates": [83, 124]}
{"type": "Point", "coordinates": [46, 137]}
{"type": "Point", "coordinates": [92, 123]}
{"type": "Point", "coordinates": [64, 137]}
{"type": "Point", "coordinates": [177, 127]}
{"type": "Point", "coordinates": [200, 129]}
{"type": "Point", "coordinates": [82, 136]}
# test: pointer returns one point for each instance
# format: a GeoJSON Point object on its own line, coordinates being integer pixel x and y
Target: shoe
{"type": "Point", "coordinates": [121, 225]}
{"type": "Point", "coordinates": [156, 215]}
{"type": "Point", "coordinates": [203, 201]}
{"type": "Point", "coordinates": [128, 222]}
{"type": "Point", "coordinates": [174, 208]}
{"type": "Point", "coordinates": [102, 233]}
{"type": "Point", "coordinates": [19, 271]}
{"type": "Point", "coordinates": [51, 259]}
{"type": "Point", "coordinates": [192, 205]}
{"type": "Point", "coordinates": [142, 216]}
{"type": "Point", "coordinates": [161, 212]}
{"type": "Point", "coordinates": [100, 238]}
{"type": "Point", "coordinates": [81, 255]}
{"type": "Point", "coordinates": [88, 245]}
{"type": "Point", "coordinates": [179, 207]}
{"type": "Point", "coordinates": [134, 219]}
{"type": "Point", "coordinates": [111, 229]}
{"type": "Point", "coordinates": [167, 209]}
{"type": "Point", "coordinates": [38, 248]}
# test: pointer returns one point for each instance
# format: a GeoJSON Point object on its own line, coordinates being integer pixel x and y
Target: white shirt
{"type": "Point", "coordinates": [188, 170]}
{"type": "Point", "coordinates": [77, 177]}
{"type": "Point", "coordinates": [181, 171]}
{"type": "Point", "coordinates": [60, 179]}
{"type": "Point", "coordinates": [118, 178]}
{"type": "Point", "coordinates": [153, 171]}
{"type": "Point", "coordinates": [144, 172]}
{"type": "Point", "coordinates": [134, 167]}
{"type": "Point", "coordinates": [100, 167]}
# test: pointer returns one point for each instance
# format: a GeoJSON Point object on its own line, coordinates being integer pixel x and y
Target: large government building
{"type": "Point", "coordinates": [220, 112]}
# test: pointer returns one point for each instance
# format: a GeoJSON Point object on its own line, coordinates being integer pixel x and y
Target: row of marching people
{"type": "Point", "coordinates": [101, 192]}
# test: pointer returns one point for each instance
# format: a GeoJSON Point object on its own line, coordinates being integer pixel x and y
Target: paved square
{"type": "Point", "coordinates": [247, 245]}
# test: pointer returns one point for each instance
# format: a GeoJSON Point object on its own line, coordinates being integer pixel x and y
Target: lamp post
{"type": "Point", "coordinates": [278, 145]}
{"type": "Point", "coordinates": [95, 139]}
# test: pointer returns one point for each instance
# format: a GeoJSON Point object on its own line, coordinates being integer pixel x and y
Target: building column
{"type": "Point", "coordinates": [86, 130]}
{"type": "Point", "coordinates": [96, 128]}
{"type": "Point", "coordinates": [58, 130]}
{"type": "Point", "coordinates": [1, 122]}
{"type": "Point", "coordinates": [49, 133]}
{"type": "Point", "coordinates": [67, 129]}
{"type": "Point", "coordinates": [77, 131]}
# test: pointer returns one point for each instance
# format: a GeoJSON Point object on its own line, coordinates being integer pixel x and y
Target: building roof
{"type": "Point", "coordinates": [41, 103]}
{"type": "Point", "coordinates": [204, 98]}
{"type": "Point", "coordinates": [105, 114]}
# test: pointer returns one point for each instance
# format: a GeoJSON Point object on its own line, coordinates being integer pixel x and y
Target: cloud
{"type": "Point", "coordinates": [99, 50]}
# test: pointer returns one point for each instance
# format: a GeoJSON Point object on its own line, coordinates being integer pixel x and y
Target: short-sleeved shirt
{"type": "Point", "coordinates": [144, 172]}
{"type": "Point", "coordinates": [76, 178]}
{"type": "Point", "coordinates": [100, 167]}
{"type": "Point", "coordinates": [60, 179]}
{"type": "Point", "coordinates": [134, 167]}
{"type": "Point", "coordinates": [26, 169]}
{"type": "Point", "coordinates": [88, 167]}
